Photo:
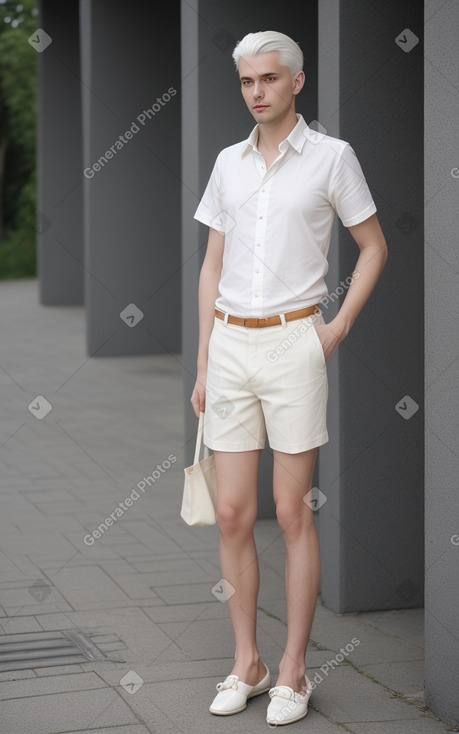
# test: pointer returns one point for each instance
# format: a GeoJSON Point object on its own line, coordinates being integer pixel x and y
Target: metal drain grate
{"type": "Point", "coordinates": [58, 647]}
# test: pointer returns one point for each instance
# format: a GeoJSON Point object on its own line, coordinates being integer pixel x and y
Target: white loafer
{"type": "Point", "coordinates": [233, 694]}
{"type": "Point", "coordinates": [287, 705]}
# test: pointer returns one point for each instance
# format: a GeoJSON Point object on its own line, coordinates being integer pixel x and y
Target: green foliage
{"type": "Point", "coordinates": [18, 123]}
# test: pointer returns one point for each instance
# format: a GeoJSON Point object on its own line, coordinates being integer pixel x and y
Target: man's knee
{"type": "Point", "coordinates": [233, 518]}
{"type": "Point", "coordinates": [291, 514]}
{"type": "Point", "coordinates": [286, 512]}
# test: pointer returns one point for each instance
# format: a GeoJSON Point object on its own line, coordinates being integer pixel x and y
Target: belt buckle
{"type": "Point", "coordinates": [252, 321]}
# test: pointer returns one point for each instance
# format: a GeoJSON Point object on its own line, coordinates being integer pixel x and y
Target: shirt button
{"type": "Point", "coordinates": [258, 244]}
{"type": "Point", "coordinates": [260, 217]}
{"type": "Point", "coordinates": [256, 295]}
{"type": "Point", "coordinates": [256, 270]}
{"type": "Point", "coordinates": [262, 189]}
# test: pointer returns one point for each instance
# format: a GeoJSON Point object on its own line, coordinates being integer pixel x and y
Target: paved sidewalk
{"type": "Point", "coordinates": [142, 591]}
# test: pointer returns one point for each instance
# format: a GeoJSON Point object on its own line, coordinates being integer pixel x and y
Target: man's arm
{"type": "Point", "coordinates": [372, 259]}
{"type": "Point", "coordinates": [209, 279]}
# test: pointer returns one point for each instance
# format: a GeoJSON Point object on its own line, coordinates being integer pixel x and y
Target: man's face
{"type": "Point", "coordinates": [267, 86]}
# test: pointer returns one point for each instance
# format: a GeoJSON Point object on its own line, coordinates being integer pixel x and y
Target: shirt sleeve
{"type": "Point", "coordinates": [349, 194]}
{"type": "Point", "coordinates": [210, 209]}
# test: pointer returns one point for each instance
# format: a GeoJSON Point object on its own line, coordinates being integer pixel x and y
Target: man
{"type": "Point", "coordinates": [263, 346]}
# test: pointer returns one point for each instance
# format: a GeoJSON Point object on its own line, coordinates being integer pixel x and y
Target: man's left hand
{"type": "Point", "coordinates": [330, 336]}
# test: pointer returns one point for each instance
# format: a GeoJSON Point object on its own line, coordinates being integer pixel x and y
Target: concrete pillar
{"type": "Point", "coordinates": [216, 116]}
{"type": "Point", "coordinates": [371, 471]}
{"type": "Point", "coordinates": [441, 360]}
{"type": "Point", "coordinates": [59, 160]}
{"type": "Point", "coordinates": [131, 99]}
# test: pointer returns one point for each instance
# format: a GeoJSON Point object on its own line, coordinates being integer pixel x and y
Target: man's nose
{"type": "Point", "coordinates": [256, 90]}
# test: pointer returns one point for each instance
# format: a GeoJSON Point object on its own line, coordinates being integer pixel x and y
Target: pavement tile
{"type": "Point", "coordinates": [404, 677]}
{"type": "Point", "coordinates": [186, 593]}
{"type": "Point", "coordinates": [65, 712]}
{"type": "Point", "coordinates": [128, 729]}
{"type": "Point", "coordinates": [169, 567]}
{"type": "Point", "coordinates": [58, 670]}
{"type": "Point", "coordinates": [184, 612]}
{"type": "Point", "coordinates": [421, 724]}
{"type": "Point", "coordinates": [16, 625]}
{"type": "Point", "coordinates": [407, 624]}
{"type": "Point", "coordinates": [51, 684]}
{"type": "Point", "coordinates": [347, 696]}
{"type": "Point", "coordinates": [17, 675]}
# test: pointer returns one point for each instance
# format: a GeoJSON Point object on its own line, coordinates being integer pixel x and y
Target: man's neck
{"type": "Point", "coordinates": [270, 134]}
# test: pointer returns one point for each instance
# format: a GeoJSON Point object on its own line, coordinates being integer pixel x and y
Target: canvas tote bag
{"type": "Point", "coordinates": [199, 501]}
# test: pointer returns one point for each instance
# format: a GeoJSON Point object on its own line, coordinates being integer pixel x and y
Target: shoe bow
{"type": "Point", "coordinates": [229, 682]}
{"type": "Point", "coordinates": [286, 692]}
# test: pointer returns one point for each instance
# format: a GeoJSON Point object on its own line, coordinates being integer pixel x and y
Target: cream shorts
{"type": "Point", "coordinates": [266, 381]}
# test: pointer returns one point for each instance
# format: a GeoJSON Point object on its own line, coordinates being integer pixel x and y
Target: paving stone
{"type": "Point", "coordinates": [404, 677]}
{"type": "Point", "coordinates": [51, 684]}
{"type": "Point", "coordinates": [173, 565]}
{"type": "Point", "coordinates": [16, 625]}
{"type": "Point", "coordinates": [407, 624]}
{"type": "Point", "coordinates": [17, 675]}
{"type": "Point", "coordinates": [129, 729]}
{"type": "Point", "coordinates": [347, 696]}
{"type": "Point", "coordinates": [58, 670]}
{"type": "Point", "coordinates": [184, 593]}
{"type": "Point", "coordinates": [86, 585]}
{"type": "Point", "coordinates": [55, 621]}
{"type": "Point", "coordinates": [421, 724]}
{"type": "Point", "coordinates": [185, 612]}
{"type": "Point", "coordinates": [64, 712]}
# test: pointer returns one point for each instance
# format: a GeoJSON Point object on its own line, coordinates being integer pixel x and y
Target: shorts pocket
{"type": "Point", "coordinates": [319, 344]}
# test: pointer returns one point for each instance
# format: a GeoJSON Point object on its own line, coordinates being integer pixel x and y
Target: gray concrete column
{"type": "Point", "coordinates": [59, 160]}
{"type": "Point", "coordinates": [216, 116]}
{"type": "Point", "coordinates": [441, 360]}
{"type": "Point", "coordinates": [131, 100]}
{"type": "Point", "coordinates": [371, 471]}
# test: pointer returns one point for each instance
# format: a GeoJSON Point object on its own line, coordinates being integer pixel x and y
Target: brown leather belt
{"type": "Point", "coordinates": [270, 320]}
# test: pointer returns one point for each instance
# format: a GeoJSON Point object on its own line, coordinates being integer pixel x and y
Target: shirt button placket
{"type": "Point", "coordinates": [259, 249]}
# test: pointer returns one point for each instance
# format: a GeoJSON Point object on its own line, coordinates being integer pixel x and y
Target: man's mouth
{"type": "Point", "coordinates": [260, 106]}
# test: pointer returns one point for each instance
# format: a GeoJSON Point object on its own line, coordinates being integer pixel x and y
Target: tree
{"type": "Point", "coordinates": [18, 121]}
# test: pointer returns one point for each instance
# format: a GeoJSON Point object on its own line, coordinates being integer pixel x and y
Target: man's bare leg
{"type": "Point", "coordinates": [292, 479]}
{"type": "Point", "coordinates": [236, 514]}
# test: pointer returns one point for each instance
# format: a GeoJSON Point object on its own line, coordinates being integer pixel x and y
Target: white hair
{"type": "Point", "coordinates": [265, 41]}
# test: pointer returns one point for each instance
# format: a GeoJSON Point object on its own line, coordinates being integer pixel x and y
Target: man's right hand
{"type": "Point", "coordinates": [198, 396]}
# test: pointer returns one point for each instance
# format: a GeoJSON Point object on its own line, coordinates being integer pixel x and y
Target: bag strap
{"type": "Point", "coordinates": [199, 440]}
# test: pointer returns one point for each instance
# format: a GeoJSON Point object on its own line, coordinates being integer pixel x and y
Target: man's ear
{"type": "Point", "coordinates": [299, 82]}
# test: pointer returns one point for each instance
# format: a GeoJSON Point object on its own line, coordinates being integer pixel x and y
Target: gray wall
{"type": "Point", "coordinates": [132, 205]}
{"type": "Point", "coordinates": [217, 117]}
{"type": "Point", "coordinates": [371, 471]}
{"type": "Point", "coordinates": [59, 159]}
{"type": "Point", "coordinates": [441, 360]}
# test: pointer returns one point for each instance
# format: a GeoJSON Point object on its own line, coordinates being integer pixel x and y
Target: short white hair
{"type": "Point", "coordinates": [265, 41]}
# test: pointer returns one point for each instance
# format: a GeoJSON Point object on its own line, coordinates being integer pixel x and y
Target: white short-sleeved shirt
{"type": "Point", "coordinates": [277, 222]}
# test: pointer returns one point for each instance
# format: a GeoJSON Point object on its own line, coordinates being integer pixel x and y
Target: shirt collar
{"type": "Point", "coordinates": [296, 139]}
